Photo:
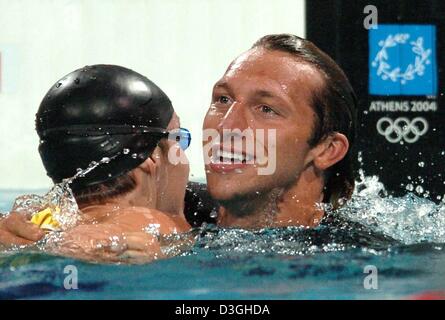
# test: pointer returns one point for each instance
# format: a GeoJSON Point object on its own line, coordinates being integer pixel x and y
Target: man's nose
{"type": "Point", "coordinates": [235, 118]}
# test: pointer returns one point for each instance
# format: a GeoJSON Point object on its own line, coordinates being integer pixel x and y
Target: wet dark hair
{"type": "Point", "coordinates": [335, 106]}
{"type": "Point", "coordinates": [101, 193]}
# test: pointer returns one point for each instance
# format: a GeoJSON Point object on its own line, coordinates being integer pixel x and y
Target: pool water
{"type": "Point", "coordinates": [332, 275]}
{"type": "Point", "coordinates": [290, 263]}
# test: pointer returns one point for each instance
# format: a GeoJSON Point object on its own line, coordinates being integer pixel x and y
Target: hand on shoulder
{"type": "Point", "coordinates": [106, 243]}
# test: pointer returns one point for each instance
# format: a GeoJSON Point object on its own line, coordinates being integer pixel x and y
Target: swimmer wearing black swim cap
{"type": "Point", "coordinates": [99, 112]}
{"type": "Point", "coordinates": [114, 113]}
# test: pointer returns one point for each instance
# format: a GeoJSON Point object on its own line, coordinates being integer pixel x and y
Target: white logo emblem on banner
{"type": "Point", "coordinates": [402, 129]}
{"type": "Point", "coordinates": [414, 69]}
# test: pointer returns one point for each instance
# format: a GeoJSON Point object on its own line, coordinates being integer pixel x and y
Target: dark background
{"type": "Point", "coordinates": [336, 26]}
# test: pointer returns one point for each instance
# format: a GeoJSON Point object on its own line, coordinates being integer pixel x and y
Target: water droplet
{"type": "Point", "coordinates": [105, 160]}
{"type": "Point", "coordinates": [419, 189]}
{"type": "Point", "coordinates": [409, 187]}
{"type": "Point", "coordinates": [213, 214]}
{"type": "Point", "coordinates": [126, 151]}
{"type": "Point", "coordinates": [421, 164]}
{"type": "Point", "coordinates": [134, 155]}
{"type": "Point", "coordinates": [360, 157]}
{"type": "Point", "coordinates": [77, 81]}
{"type": "Point", "coordinates": [58, 84]}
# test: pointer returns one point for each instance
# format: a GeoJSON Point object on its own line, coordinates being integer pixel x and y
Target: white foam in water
{"type": "Point", "coordinates": [409, 219]}
{"type": "Point", "coordinates": [60, 196]}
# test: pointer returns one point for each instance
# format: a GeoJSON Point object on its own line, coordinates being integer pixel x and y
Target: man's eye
{"type": "Point", "coordinates": [267, 109]}
{"type": "Point", "coordinates": [223, 99]}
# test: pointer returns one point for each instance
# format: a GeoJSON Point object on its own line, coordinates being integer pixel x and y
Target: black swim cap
{"type": "Point", "coordinates": [98, 98]}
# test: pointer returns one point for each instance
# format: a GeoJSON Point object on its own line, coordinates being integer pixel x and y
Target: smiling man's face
{"type": "Point", "coordinates": [269, 90]}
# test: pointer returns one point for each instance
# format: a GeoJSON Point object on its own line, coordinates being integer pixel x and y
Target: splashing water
{"type": "Point", "coordinates": [409, 219]}
{"type": "Point", "coordinates": [373, 221]}
{"type": "Point", "coordinates": [59, 199]}
{"type": "Point", "coordinates": [289, 241]}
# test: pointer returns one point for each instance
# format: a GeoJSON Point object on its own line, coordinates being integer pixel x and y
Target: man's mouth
{"type": "Point", "coordinates": [224, 161]}
{"type": "Point", "coordinates": [230, 157]}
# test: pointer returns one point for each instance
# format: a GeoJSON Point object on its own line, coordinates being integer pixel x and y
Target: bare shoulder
{"type": "Point", "coordinates": [137, 216]}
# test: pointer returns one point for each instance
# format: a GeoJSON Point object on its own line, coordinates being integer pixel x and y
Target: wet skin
{"type": "Point", "coordinates": [265, 89]}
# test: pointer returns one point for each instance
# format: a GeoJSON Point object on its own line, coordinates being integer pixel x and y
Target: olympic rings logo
{"type": "Point", "coordinates": [402, 128]}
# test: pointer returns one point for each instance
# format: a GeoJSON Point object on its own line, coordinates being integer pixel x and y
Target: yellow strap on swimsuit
{"type": "Point", "coordinates": [45, 220]}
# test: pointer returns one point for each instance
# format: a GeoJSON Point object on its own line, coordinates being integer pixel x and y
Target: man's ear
{"type": "Point", "coordinates": [151, 164]}
{"type": "Point", "coordinates": [330, 151]}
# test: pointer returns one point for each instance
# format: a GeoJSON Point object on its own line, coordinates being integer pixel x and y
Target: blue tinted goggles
{"type": "Point", "coordinates": [182, 136]}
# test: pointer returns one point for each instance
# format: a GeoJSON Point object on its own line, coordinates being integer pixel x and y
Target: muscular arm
{"type": "Point", "coordinates": [106, 243]}
{"type": "Point", "coordinates": [118, 239]}
{"type": "Point", "coordinates": [131, 236]}
{"type": "Point", "coordinates": [15, 229]}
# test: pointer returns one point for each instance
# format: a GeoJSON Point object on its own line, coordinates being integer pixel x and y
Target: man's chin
{"type": "Point", "coordinates": [229, 193]}
{"type": "Point", "coordinates": [236, 187]}
{"type": "Point", "coordinates": [221, 195]}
